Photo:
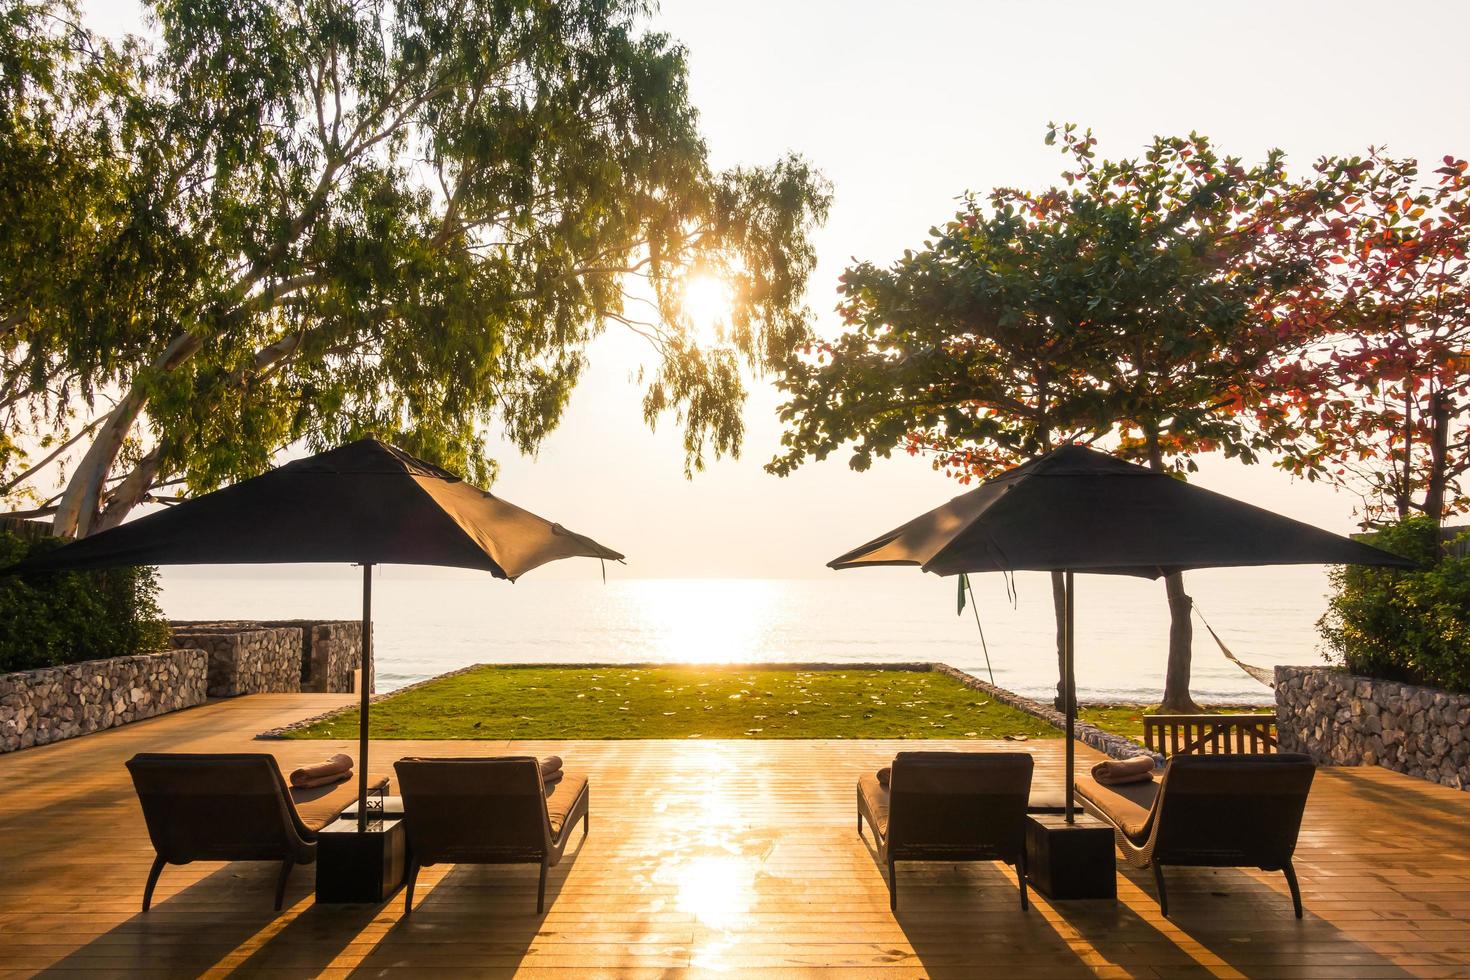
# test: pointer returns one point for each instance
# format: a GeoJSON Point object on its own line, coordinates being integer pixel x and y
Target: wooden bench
{"type": "Point", "coordinates": [1210, 734]}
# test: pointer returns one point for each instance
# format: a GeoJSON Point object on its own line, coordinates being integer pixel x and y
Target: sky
{"type": "Point", "coordinates": [904, 107]}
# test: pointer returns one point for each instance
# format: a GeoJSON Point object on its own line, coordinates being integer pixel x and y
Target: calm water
{"type": "Point", "coordinates": [431, 621]}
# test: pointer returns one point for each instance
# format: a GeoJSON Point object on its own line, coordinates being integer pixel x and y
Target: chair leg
{"type": "Point", "coordinates": [1163, 895]}
{"type": "Point", "coordinates": [541, 888]}
{"type": "Point", "coordinates": [286, 867]}
{"type": "Point", "coordinates": [413, 877]}
{"type": "Point", "coordinates": [1296, 893]}
{"type": "Point", "coordinates": [153, 874]}
{"type": "Point", "coordinates": [1021, 880]}
{"type": "Point", "coordinates": [892, 886]}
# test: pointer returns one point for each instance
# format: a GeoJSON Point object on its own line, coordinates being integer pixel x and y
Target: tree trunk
{"type": "Point", "coordinates": [81, 501]}
{"type": "Point", "coordinates": [1059, 606]}
{"type": "Point", "coordinates": [130, 492]}
{"type": "Point", "coordinates": [1439, 437]}
{"type": "Point", "coordinates": [1058, 578]}
{"type": "Point", "coordinates": [1177, 699]}
{"type": "Point", "coordinates": [80, 506]}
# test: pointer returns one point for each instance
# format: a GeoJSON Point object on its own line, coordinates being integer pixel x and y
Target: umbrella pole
{"type": "Point", "coordinates": [364, 694]}
{"type": "Point", "coordinates": [1069, 685]}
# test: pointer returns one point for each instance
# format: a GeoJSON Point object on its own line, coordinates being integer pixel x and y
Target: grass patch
{"type": "Point", "coordinates": [515, 702]}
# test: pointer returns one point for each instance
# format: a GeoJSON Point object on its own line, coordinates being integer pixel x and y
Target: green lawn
{"type": "Point", "coordinates": [515, 702]}
{"type": "Point", "coordinates": [1120, 719]}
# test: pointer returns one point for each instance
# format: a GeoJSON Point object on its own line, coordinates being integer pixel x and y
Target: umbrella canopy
{"type": "Point", "coordinates": [1079, 510]}
{"type": "Point", "coordinates": [1082, 510]}
{"type": "Point", "coordinates": [366, 503]}
{"type": "Point", "coordinates": [363, 503]}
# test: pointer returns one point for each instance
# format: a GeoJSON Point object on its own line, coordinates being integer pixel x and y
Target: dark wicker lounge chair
{"type": "Point", "coordinates": [949, 806]}
{"type": "Point", "coordinates": [1212, 811]}
{"type": "Point", "coordinates": [487, 811]}
{"type": "Point", "coordinates": [234, 807]}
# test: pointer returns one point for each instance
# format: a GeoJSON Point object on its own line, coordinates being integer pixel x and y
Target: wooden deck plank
{"type": "Point", "coordinates": [706, 857]}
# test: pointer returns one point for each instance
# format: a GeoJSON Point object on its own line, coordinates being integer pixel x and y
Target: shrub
{"type": "Point", "coordinates": [67, 617]}
{"type": "Point", "coordinates": [1404, 626]}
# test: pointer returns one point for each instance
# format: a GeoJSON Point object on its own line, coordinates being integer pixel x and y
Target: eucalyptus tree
{"type": "Point", "coordinates": [328, 217]}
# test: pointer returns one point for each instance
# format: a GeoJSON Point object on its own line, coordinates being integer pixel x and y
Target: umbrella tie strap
{"type": "Point", "coordinates": [974, 606]}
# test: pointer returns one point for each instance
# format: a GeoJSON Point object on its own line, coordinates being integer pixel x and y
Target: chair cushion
{"type": "Point", "coordinates": [319, 805]}
{"type": "Point", "coordinates": [559, 803]}
{"type": "Point", "coordinates": [876, 797]}
{"type": "Point", "coordinates": [1129, 806]}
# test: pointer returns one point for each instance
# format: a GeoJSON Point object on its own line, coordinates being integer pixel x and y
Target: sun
{"type": "Point", "coordinates": [706, 304]}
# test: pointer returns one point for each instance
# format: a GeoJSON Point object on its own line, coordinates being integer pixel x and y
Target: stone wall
{"type": "Point", "coordinates": [248, 660]}
{"type": "Point", "coordinates": [38, 707]}
{"type": "Point", "coordinates": [1341, 719]}
{"type": "Point", "coordinates": [331, 653]}
{"type": "Point", "coordinates": [326, 653]}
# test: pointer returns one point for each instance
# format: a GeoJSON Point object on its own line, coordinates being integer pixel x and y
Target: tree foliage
{"type": "Point", "coordinates": [1134, 305]}
{"type": "Point", "coordinates": [304, 220]}
{"type": "Point", "coordinates": [68, 617]}
{"type": "Point", "coordinates": [1404, 626]}
{"type": "Point", "coordinates": [1131, 305]}
{"type": "Point", "coordinates": [1374, 394]}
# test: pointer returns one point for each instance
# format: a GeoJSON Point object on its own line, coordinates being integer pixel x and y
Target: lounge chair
{"type": "Point", "coordinates": [1210, 811]}
{"type": "Point", "coordinates": [949, 806]}
{"type": "Point", "coordinates": [487, 811]}
{"type": "Point", "coordinates": [234, 807]}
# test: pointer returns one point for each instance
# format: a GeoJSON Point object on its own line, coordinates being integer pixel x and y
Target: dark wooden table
{"type": "Point", "coordinates": [360, 866]}
{"type": "Point", "coordinates": [1070, 860]}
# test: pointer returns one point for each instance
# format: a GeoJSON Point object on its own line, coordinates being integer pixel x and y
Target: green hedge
{"type": "Point", "coordinates": [67, 617]}
{"type": "Point", "coordinates": [1404, 626]}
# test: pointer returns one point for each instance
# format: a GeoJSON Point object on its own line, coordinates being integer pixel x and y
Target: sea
{"type": "Point", "coordinates": [430, 621]}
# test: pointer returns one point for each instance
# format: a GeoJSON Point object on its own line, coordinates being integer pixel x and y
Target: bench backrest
{"type": "Point", "coordinates": [1242, 734]}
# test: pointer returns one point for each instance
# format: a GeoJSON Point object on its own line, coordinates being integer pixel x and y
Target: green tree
{"type": "Point", "coordinates": [1131, 306]}
{"type": "Point", "coordinates": [954, 353]}
{"type": "Point", "coordinates": [322, 218]}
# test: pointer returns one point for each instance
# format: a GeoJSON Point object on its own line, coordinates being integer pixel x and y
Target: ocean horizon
{"type": "Point", "coordinates": [431, 621]}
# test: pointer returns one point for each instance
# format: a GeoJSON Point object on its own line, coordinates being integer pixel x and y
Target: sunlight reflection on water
{"type": "Point", "coordinates": [429, 623]}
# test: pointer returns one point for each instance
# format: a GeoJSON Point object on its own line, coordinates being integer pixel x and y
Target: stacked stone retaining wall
{"type": "Point", "coordinates": [331, 653]}
{"type": "Point", "coordinates": [41, 706]}
{"type": "Point", "coordinates": [249, 660]}
{"type": "Point", "coordinates": [324, 654]}
{"type": "Point", "coordinates": [1342, 719]}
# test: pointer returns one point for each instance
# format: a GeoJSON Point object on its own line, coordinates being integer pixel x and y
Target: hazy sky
{"type": "Point", "coordinates": [906, 106]}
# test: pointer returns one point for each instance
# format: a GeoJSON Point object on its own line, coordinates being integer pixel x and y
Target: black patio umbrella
{"type": "Point", "coordinates": [1079, 510]}
{"type": "Point", "coordinates": [364, 503]}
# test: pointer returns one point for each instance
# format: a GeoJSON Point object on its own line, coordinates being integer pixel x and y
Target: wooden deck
{"type": "Point", "coordinates": [705, 857]}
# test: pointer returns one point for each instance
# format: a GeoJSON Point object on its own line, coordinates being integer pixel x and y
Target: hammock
{"type": "Point", "coordinates": [1265, 675]}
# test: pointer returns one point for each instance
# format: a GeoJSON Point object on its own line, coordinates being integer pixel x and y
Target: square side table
{"type": "Point", "coordinates": [353, 866]}
{"type": "Point", "coordinates": [1075, 860]}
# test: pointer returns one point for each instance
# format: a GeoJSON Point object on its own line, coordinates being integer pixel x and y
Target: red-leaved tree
{"type": "Point", "coordinates": [1373, 394]}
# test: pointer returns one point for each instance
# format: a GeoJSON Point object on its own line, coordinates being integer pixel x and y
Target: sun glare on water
{"type": "Point", "coordinates": [704, 620]}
